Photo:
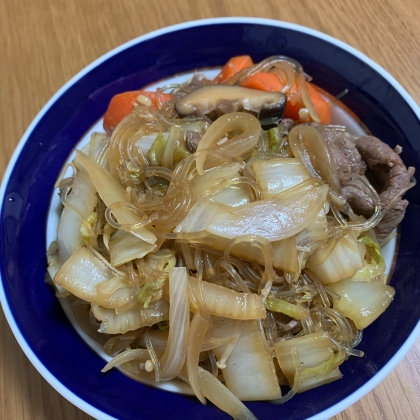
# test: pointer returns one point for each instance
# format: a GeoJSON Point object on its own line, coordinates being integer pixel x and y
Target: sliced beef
{"type": "Point", "coordinates": [348, 160]}
{"type": "Point", "coordinates": [390, 178]}
{"type": "Point", "coordinates": [359, 198]}
{"type": "Point", "coordinates": [367, 155]}
{"type": "Point", "coordinates": [342, 146]}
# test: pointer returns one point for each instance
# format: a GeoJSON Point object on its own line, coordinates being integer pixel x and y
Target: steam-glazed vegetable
{"type": "Point", "coordinates": [223, 245]}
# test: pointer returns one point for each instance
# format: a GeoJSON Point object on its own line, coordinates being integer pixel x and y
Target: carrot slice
{"type": "Point", "coordinates": [271, 82]}
{"type": "Point", "coordinates": [320, 104]}
{"type": "Point", "coordinates": [233, 66]}
{"type": "Point", "coordinates": [122, 104]}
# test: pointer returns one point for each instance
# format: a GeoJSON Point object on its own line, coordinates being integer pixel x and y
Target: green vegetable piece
{"type": "Point", "coordinates": [375, 267]}
{"type": "Point", "coordinates": [155, 153]}
{"type": "Point", "coordinates": [290, 309]}
{"type": "Point", "coordinates": [273, 137]}
{"type": "Point", "coordinates": [149, 290]}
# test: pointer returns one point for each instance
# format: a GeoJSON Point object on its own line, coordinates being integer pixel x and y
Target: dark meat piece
{"type": "Point", "coordinates": [343, 149]}
{"type": "Point", "coordinates": [348, 160]}
{"type": "Point", "coordinates": [359, 198]}
{"type": "Point", "coordinates": [384, 169]}
{"type": "Point", "coordinates": [392, 218]}
{"type": "Point", "coordinates": [390, 178]}
{"type": "Point", "coordinates": [192, 138]}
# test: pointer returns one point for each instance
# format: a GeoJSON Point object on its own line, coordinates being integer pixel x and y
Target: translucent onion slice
{"type": "Point", "coordinates": [140, 355]}
{"type": "Point", "coordinates": [239, 145]}
{"type": "Point", "coordinates": [362, 302]}
{"type": "Point", "coordinates": [198, 331]}
{"type": "Point", "coordinates": [82, 272]}
{"type": "Point", "coordinates": [80, 204]}
{"type": "Point", "coordinates": [275, 219]}
{"type": "Point", "coordinates": [158, 339]}
{"type": "Point", "coordinates": [111, 191]}
{"type": "Point", "coordinates": [277, 175]}
{"type": "Point", "coordinates": [310, 147]}
{"type": "Point", "coordinates": [118, 343]}
{"type": "Point", "coordinates": [249, 372]}
{"type": "Point", "coordinates": [132, 319]}
{"type": "Point", "coordinates": [179, 320]}
{"type": "Point", "coordinates": [225, 302]}
{"type": "Point", "coordinates": [212, 389]}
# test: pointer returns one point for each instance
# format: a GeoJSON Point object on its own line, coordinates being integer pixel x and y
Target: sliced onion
{"type": "Point", "coordinates": [212, 389]}
{"type": "Point", "coordinates": [139, 355]}
{"type": "Point", "coordinates": [310, 147]}
{"type": "Point", "coordinates": [198, 331]}
{"type": "Point", "coordinates": [275, 219]}
{"type": "Point", "coordinates": [179, 320]}
{"type": "Point", "coordinates": [118, 343]}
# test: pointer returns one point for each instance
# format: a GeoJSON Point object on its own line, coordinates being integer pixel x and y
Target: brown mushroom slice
{"type": "Point", "coordinates": [217, 100]}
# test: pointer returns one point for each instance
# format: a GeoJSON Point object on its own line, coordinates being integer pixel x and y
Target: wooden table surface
{"type": "Point", "coordinates": [43, 43]}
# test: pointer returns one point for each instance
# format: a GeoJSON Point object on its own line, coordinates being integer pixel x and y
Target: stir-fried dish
{"type": "Point", "coordinates": [225, 232]}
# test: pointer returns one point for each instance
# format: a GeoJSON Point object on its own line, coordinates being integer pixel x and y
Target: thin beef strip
{"type": "Point", "coordinates": [342, 146]}
{"type": "Point", "coordinates": [348, 160]}
{"type": "Point", "coordinates": [384, 169]}
{"type": "Point", "coordinates": [390, 177]}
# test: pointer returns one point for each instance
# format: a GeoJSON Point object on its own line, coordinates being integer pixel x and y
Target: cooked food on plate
{"type": "Point", "coordinates": [228, 233]}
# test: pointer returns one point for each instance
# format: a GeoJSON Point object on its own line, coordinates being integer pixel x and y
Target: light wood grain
{"type": "Point", "coordinates": [43, 43]}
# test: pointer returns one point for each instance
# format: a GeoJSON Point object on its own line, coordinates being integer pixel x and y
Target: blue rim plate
{"type": "Point", "coordinates": [33, 312]}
